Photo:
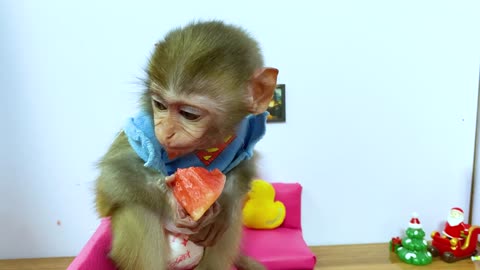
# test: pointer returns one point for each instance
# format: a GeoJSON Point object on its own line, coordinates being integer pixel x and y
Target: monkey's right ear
{"type": "Point", "coordinates": [262, 85]}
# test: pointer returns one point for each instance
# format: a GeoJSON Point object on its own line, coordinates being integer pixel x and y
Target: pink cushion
{"type": "Point", "coordinates": [280, 249]}
{"type": "Point", "coordinates": [94, 255]}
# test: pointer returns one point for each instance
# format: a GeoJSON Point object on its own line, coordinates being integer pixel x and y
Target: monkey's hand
{"type": "Point", "coordinates": [181, 222]}
{"type": "Point", "coordinates": [208, 235]}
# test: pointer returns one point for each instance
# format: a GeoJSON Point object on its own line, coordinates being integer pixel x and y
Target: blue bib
{"type": "Point", "coordinates": [141, 136]}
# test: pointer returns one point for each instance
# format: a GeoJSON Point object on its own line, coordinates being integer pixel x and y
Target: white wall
{"type": "Point", "coordinates": [381, 105]}
{"type": "Point", "coordinates": [476, 187]}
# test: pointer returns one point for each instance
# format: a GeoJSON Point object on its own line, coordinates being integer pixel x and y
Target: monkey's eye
{"type": "Point", "coordinates": [189, 116]}
{"type": "Point", "coordinates": [190, 113]}
{"type": "Point", "coordinates": [159, 105]}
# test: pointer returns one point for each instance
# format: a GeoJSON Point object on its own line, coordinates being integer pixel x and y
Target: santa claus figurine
{"type": "Point", "coordinates": [454, 227]}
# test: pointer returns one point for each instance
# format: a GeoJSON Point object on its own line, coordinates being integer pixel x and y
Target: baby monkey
{"type": "Point", "coordinates": [205, 102]}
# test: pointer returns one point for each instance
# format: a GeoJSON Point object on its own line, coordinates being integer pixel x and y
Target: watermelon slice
{"type": "Point", "coordinates": [196, 189]}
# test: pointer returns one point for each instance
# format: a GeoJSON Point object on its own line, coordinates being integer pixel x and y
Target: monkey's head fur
{"type": "Point", "coordinates": [207, 60]}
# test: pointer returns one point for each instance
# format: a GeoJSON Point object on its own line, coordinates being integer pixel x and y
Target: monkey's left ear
{"type": "Point", "coordinates": [262, 85]}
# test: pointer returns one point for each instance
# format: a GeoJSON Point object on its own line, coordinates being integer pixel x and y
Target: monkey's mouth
{"type": "Point", "coordinates": [177, 152]}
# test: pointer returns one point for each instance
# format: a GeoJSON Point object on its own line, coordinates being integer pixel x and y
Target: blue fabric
{"type": "Point", "coordinates": [141, 136]}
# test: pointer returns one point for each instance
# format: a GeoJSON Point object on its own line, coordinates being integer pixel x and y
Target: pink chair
{"type": "Point", "coordinates": [282, 248]}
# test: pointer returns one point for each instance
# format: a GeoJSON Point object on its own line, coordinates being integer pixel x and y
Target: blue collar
{"type": "Point", "coordinates": [141, 136]}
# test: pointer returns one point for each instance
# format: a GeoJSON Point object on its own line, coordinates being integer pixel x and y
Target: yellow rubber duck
{"type": "Point", "coordinates": [260, 210]}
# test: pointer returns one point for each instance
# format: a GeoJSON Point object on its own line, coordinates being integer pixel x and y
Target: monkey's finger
{"type": "Point", "coordinates": [188, 223]}
{"type": "Point", "coordinates": [171, 227]}
{"type": "Point", "coordinates": [204, 237]}
{"type": "Point", "coordinates": [181, 213]}
{"type": "Point", "coordinates": [169, 179]}
{"type": "Point", "coordinates": [211, 235]}
{"type": "Point", "coordinates": [216, 208]}
{"type": "Point", "coordinates": [210, 215]}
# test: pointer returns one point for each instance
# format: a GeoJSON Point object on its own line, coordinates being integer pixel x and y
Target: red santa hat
{"type": "Point", "coordinates": [458, 209]}
{"type": "Point", "coordinates": [415, 222]}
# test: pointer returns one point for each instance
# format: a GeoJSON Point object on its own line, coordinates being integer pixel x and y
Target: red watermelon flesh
{"type": "Point", "coordinates": [196, 189]}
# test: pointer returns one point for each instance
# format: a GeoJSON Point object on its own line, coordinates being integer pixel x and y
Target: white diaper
{"type": "Point", "coordinates": [184, 254]}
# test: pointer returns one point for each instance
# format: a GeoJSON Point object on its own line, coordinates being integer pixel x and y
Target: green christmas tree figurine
{"type": "Point", "coordinates": [414, 246]}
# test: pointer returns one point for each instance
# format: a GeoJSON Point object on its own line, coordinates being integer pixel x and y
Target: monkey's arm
{"type": "Point", "coordinates": [237, 186]}
{"type": "Point", "coordinates": [124, 180]}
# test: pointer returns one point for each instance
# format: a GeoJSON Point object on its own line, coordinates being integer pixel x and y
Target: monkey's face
{"type": "Point", "coordinates": [182, 122]}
